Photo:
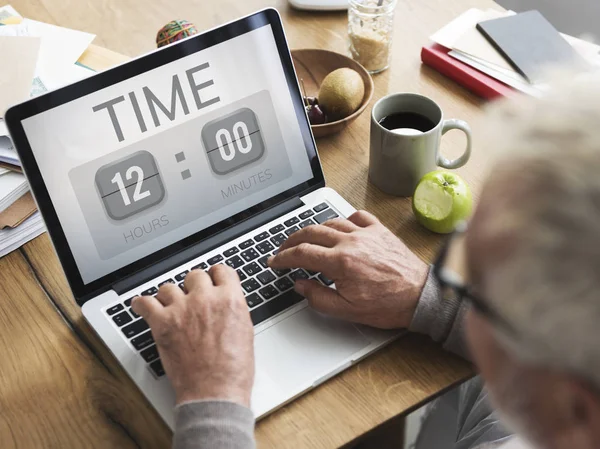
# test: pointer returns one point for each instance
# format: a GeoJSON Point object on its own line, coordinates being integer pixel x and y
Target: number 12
{"type": "Point", "coordinates": [137, 193]}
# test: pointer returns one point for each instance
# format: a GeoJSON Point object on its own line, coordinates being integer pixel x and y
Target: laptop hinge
{"type": "Point", "coordinates": [206, 245]}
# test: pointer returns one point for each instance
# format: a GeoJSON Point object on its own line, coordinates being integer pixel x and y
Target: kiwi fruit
{"type": "Point", "coordinates": [341, 93]}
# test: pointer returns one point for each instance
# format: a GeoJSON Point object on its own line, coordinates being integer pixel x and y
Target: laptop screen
{"type": "Point", "coordinates": [146, 162]}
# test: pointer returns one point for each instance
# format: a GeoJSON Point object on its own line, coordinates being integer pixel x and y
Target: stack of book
{"type": "Point", "coordinates": [36, 57]}
{"type": "Point", "coordinates": [461, 52]}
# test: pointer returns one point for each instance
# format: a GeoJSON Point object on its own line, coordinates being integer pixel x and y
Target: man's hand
{"type": "Point", "coordinates": [378, 279]}
{"type": "Point", "coordinates": [205, 337]}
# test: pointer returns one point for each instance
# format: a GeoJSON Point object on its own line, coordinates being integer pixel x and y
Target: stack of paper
{"type": "Point", "coordinates": [36, 57]}
{"type": "Point", "coordinates": [11, 239]}
{"type": "Point", "coordinates": [12, 187]}
{"type": "Point", "coordinates": [469, 46]}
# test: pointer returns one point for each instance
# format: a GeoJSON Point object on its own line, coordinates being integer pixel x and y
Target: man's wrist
{"type": "Point", "coordinates": [227, 393]}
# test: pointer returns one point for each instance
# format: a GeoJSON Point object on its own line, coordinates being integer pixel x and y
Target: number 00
{"type": "Point", "coordinates": [242, 141]}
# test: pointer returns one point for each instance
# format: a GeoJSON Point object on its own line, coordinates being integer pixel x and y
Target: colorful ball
{"type": "Point", "coordinates": [174, 31]}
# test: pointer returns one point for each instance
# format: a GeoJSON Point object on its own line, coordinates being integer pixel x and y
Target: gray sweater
{"type": "Point", "coordinates": [225, 425]}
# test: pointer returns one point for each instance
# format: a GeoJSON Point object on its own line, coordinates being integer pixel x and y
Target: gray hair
{"type": "Point", "coordinates": [541, 229]}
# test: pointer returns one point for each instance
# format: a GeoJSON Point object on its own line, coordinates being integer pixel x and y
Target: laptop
{"type": "Point", "coordinates": [196, 154]}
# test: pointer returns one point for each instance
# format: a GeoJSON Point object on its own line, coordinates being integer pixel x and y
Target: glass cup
{"type": "Point", "coordinates": [370, 30]}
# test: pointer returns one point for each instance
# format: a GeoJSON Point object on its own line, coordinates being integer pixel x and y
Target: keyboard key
{"type": "Point", "coordinates": [307, 213]}
{"type": "Point", "coordinates": [249, 255]}
{"type": "Point", "coordinates": [276, 229]}
{"type": "Point", "coordinates": [260, 237]}
{"type": "Point", "coordinates": [284, 283]}
{"type": "Point", "coordinates": [264, 247]}
{"type": "Point", "coordinates": [250, 285]}
{"type": "Point", "coordinates": [231, 251]}
{"type": "Point", "coordinates": [320, 207]}
{"type": "Point", "coordinates": [291, 221]}
{"type": "Point", "coordinates": [128, 302]}
{"type": "Point", "coordinates": [268, 292]}
{"type": "Point", "coordinates": [290, 231]}
{"type": "Point", "coordinates": [278, 239]}
{"type": "Point", "coordinates": [280, 273]}
{"type": "Point", "coordinates": [182, 286]}
{"type": "Point", "coordinates": [114, 309]}
{"type": "Point", "coordinates": [306, 223]}
{"type": "Point", "coordinates": [325, 215]}
{"type": "Point", "coordinates": [253, 300]}
{"type": "Point", "coordinates": [137, 327]}
{"type": "Point", "coordinates": [312, 273]}
{"type": "Point", "coordinates": [247, 244]}
{"type": "Point", "coordinates": [252, 268]}
{"type": "Point", "coordinates": [266, 277]}
{"type": "Point", "coordinates": [141, 341]}
{"type": "Point", "coordinates": [200, 266]}
{"type": "Point", "coordinates": [241, 274]}
{"type": "Point", "coordinates": [157, 368]}
{"type": "Point", "coordinates": [325, 280]}
{"type": "Point", "coordinates": [150, 354]}
{"type": "Point", "coordinates": [263, 261]}
{"type": "Point", "coordinates": [181, 276]}
{"type": "Point", "coordinates": [235, 262]}
{"type": "Point", "coordinates": [168, 281]}
{"type": "Point", "coordinates": [150, 292]}
{"type": "Point", "coordinates": [299, 274]}
{"type": "Point", "coordinates": [215, 259]}
{"type": "Point", "coordinates": [133, 314]}
{"type": "Point", "coordinates": [272, 308]}
{"type": "Point", "coordinates": [122, 319]}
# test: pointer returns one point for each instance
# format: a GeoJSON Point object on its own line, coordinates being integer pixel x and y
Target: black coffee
{"type": "Point", "coordinates": [403, 120]}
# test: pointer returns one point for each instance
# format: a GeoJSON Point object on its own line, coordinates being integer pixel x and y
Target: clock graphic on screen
{"type": "Point", "coordinates": [233, 141]}
{"type": "Point", "coordinates": [130, 185]}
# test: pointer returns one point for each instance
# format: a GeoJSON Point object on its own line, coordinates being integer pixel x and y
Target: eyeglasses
{"type": "Point", "coordinates": [452, 281]}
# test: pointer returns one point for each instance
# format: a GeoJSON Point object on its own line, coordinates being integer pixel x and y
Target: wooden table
{"type": "Point", "coordinates": [60, 387]}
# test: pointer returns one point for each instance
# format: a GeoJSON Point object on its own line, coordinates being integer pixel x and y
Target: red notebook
{"type": "Point", "coordinates": [437, 57]}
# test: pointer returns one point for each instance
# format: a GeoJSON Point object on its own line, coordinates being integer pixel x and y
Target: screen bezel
{"type": "Point", "coordinates": [15, 115]}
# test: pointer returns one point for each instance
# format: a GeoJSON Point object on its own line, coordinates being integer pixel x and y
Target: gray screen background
{"type": "Point", "coordinates": [71, 143]}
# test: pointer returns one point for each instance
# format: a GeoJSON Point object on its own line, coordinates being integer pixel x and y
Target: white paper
{"type": "Point", "coordinates": [60, 48]}
{"type": "Point", "coordinates": [8, 154]}
{"type": "Point", "coordinates": [14, 30]}
{"type": "Point", "coordinates": [3, 128]}
{"type": "Point", "coordinates": [4, 170]}
{"type": "Point", "coordinates": [13, 185]}
{"type": "Point", "coordinates": [13, 238]}
{"type": "Point", "coordinates": [8, 11]}
{"type": "Point", "coordinates": [19, 54]}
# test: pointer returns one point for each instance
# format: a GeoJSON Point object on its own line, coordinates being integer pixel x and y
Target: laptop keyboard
{"type": "Point", "coordinates": [267, 291]}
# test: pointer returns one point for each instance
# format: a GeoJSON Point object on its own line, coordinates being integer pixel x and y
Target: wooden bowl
{"type": "Point", "coordinates": [313, 65]}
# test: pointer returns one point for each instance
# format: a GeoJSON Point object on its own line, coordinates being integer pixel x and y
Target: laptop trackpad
{"type": "Point", "coordinates": [304, 347]}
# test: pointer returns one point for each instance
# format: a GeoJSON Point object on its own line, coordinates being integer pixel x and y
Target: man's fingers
{"type": "Point", "coordinates": [223, 275]}
{"type": "Point", "coordinates": [316, 235]}
{"type": "Point", "coordinates": [363, 219]}
{"type": "Point", "coordinates": [197, 279]}
{"type": "Point", "coordinates": [305, 255]}
{"type": "Point", "coordinates": [147, 307]}
{"type": "Point", "coordinates": [168, 294]}
{"type": "Point", "coordinates": [324, 299]}
{"type": "Point", "coordinates": [341, 224]}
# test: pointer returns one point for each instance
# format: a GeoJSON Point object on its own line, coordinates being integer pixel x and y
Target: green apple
{"type": "Point", "coordinates": [442, 199]}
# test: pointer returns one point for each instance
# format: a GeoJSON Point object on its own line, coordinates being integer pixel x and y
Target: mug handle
{"type": "Point", "coordinates": [462, 160]}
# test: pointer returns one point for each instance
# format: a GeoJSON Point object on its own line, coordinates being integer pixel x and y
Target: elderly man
{"type": "Point", "coordinates": [527, 300]}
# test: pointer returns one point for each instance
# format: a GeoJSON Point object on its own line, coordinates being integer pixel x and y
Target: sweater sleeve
{"type": "Point", "coordinates": [213, 425]}
{"type": "Point", "coordinates": [440, 318]}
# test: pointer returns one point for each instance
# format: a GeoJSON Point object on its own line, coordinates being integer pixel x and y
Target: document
{"type": "Point", "coordinates": [20, 54]}
{"type": "Point", "coordinates": [60, 49]}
